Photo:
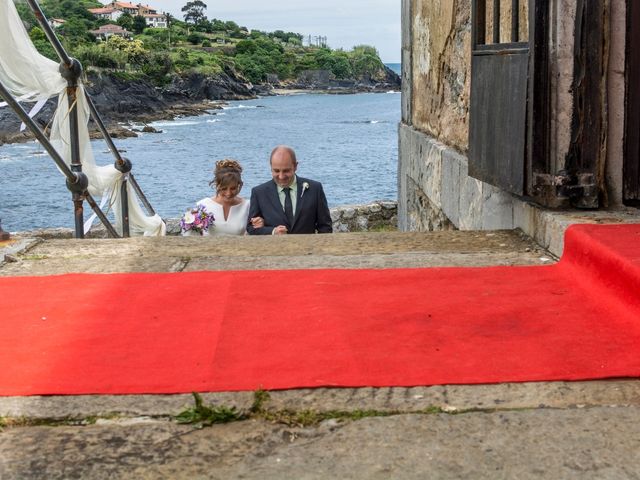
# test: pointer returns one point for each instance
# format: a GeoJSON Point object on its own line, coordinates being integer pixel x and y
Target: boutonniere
{"type": "Point", "coordinates": [305, 185]}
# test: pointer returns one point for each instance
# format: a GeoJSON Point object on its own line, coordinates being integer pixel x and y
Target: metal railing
{"type": "Point", "coordinates": [76, 180]}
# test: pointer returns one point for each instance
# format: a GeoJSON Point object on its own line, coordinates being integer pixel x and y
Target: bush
{"type": "Point", "coordinates": [195, 38]}
{"type": "Point", "coordinates": [100, 56]}
{"type": "Point", "coordinates": [158, 66]}
{"type": "Point", "coordinates": [45, 48]}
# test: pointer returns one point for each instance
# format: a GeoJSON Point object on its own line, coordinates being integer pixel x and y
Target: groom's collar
{"type": "Point", "coordinates": [293, 185]}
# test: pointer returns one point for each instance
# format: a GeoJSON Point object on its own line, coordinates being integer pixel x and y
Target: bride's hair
{"type": "Point", "coordinates": [227, 173]}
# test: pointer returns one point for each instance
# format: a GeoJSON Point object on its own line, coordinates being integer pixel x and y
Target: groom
{"type": "Point", "coordinates": [288, 203]}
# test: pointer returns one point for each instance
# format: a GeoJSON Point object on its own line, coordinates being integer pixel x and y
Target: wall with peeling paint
{"type": "Point", "coordinates": [441, 60]}
{"type": "Point", "coordinates": [435, 190]}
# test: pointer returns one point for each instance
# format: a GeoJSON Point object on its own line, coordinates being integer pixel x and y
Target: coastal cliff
{"type": "Point", "coordinates": [122, 100]}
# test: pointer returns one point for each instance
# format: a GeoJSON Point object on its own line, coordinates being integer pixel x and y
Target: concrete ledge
{"type": "Point", "coordinates": [448, 398]}
{"type": "Point", "coordinates": [440, 174]}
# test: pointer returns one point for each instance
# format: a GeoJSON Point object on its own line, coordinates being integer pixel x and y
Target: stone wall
{"type": "Point", "coordinates": [375, 216]}
{"type": "Point", "coordinates": [380, 215]}
{"type": "Point", "coordinates": [441, 59]}
{"type": "Point", "coordinates": [437, 193]}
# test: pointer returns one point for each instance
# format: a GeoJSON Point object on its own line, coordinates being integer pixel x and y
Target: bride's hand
{"type": "Point", "coordinates": [257, 222]}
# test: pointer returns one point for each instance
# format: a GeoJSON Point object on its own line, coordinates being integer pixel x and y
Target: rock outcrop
{"type": "Point", "coordinates": [325, 80]}
{"type": "Point", "coordinates": [120, 99]}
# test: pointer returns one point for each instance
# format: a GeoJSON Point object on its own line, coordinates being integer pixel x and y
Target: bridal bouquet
{"type": "Point", "coordinates": [196, 220]}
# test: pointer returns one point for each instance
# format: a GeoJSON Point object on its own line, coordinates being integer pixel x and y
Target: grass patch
{"type": "Point", "coordinates": [205, 416]}
{"type": "Point", "coordinates": [208, 415]}
{"type": "Point", "coordinates": [260, 398]}
{"type": "Point", "coordinates": [46, 422]}
{"type": "Point", "coordinates": [35, 257]}
{"type": "Point", "coordinates": [309, 418]}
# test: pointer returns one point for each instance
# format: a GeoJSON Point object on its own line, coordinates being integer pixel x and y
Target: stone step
{"type": "Point", "coordinates": [343, 250]}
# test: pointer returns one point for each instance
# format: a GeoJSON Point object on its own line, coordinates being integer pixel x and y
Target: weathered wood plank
{"type": "Point", "coordinates": [631, 167]}
{"type": "Point", "coordinates": [498, 119]}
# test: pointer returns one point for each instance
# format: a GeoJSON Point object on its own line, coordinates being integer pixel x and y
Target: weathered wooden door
{"type": "Point", "coordinates": [498, 111]}
{"type": "Point", "coordinates": [631, 169]}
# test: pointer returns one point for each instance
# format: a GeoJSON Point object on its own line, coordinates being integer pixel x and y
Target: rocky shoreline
{"type": "Point", "coordinates": [123, 102]}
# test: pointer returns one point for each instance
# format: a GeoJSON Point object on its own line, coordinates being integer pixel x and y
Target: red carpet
{"type": "Point", "coordinates": [214, 331]}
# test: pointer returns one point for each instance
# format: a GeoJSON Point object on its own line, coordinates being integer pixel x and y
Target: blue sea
{"type": "Point", "coordinates": [348, 142]}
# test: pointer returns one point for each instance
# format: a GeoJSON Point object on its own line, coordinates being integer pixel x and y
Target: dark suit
{"type": "Point", "coordinates": [311, 215]}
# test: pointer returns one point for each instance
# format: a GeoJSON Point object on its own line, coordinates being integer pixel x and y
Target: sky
{"type": "Point", "coordinates": [345, 23]}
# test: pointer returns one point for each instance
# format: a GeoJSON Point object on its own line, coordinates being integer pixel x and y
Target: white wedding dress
{"type": "Point", "coordinates": [235, 224]}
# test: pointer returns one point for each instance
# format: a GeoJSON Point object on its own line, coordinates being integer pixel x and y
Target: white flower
{"type": "Point", "coordinates": [188, 217]}
{"type": "Point", "coordinates": [305, 185]}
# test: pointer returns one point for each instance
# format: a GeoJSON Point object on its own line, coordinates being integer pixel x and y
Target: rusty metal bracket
{"type": "Point", "coordinates": [581, 189]}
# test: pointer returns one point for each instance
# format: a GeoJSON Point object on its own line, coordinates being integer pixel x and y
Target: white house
{"type": "Point", "coordinates": [113, 10]}
{"type": "Point", "coordinates": [56, 22]}
{"type": "Point", "coordinates": [107, 13]}
{"type": "Point", "coordinates": [156, 20]}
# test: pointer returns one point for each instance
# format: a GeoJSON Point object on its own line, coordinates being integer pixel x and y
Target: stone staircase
{"type": "Point", "coordinates": [38, 256]}
{"type": "Point", "coordinates": [524, 430]}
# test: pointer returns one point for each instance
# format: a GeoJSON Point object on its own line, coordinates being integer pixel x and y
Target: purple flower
{"type": "Point", "coordinates": [197, 219]}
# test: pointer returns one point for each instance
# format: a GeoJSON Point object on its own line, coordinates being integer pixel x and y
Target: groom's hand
{"type": "Point", "coordinates": [257, 222]}
{"type": "Point", "coordinates": [279, 230]}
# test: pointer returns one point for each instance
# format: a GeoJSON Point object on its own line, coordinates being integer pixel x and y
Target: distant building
{"type": "Point", "coordinates": [124, 7]}
{"type": "Point", "coordinates": [105, 31]}
{"type": "Point", "coordinates": [114, 10]}
{"type": "Point", "coordinates": [107, 13]}
{"type": "Point", "coordinates": [56, 22]}
{"type": "Point", "coordinates": [156, 20]}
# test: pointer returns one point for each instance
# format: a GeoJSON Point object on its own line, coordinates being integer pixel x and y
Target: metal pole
{"type": "Point", "coordinates": [141, 195]}
{"type": "Point", "coordinates": [70, 69]}
{"type": "Point", "coordinates": [123, 164]}
{"type": "Point", "coordinates": [103, 218]}
{"type": "Point", "coordinates": [76, 165]}
{"type": "Point", "coordinates": [103, 129]}
{"type": "Point", "coordinates": [124, 205]}
{"type": "Point", "coordinates": [3, 235]}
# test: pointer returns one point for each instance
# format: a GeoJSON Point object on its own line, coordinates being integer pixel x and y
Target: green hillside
{"type": "Point", "coordinates": [196, 45]}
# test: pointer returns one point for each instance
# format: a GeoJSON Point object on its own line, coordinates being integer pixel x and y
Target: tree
{"type": "Point", "coordinates": [125, 21]}
{"type": "Point", "coordinates": [139, 24]}
{"type": "Point", "coordinates": [26, 14]}
{"type": "Point", "coordinates": [75, 29]}
{"type": "Point", "coordinates": [41, 43]}
{"type": "Point", "coordinates": [169, 18]}
{"type": "Point", "coordinates": [218, 25]}
{"type": "Point", "coordinates": [194, 12]}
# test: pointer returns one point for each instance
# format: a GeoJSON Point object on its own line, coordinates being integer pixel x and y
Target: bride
{"type": "Point", "coordinates": [229, 210]}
